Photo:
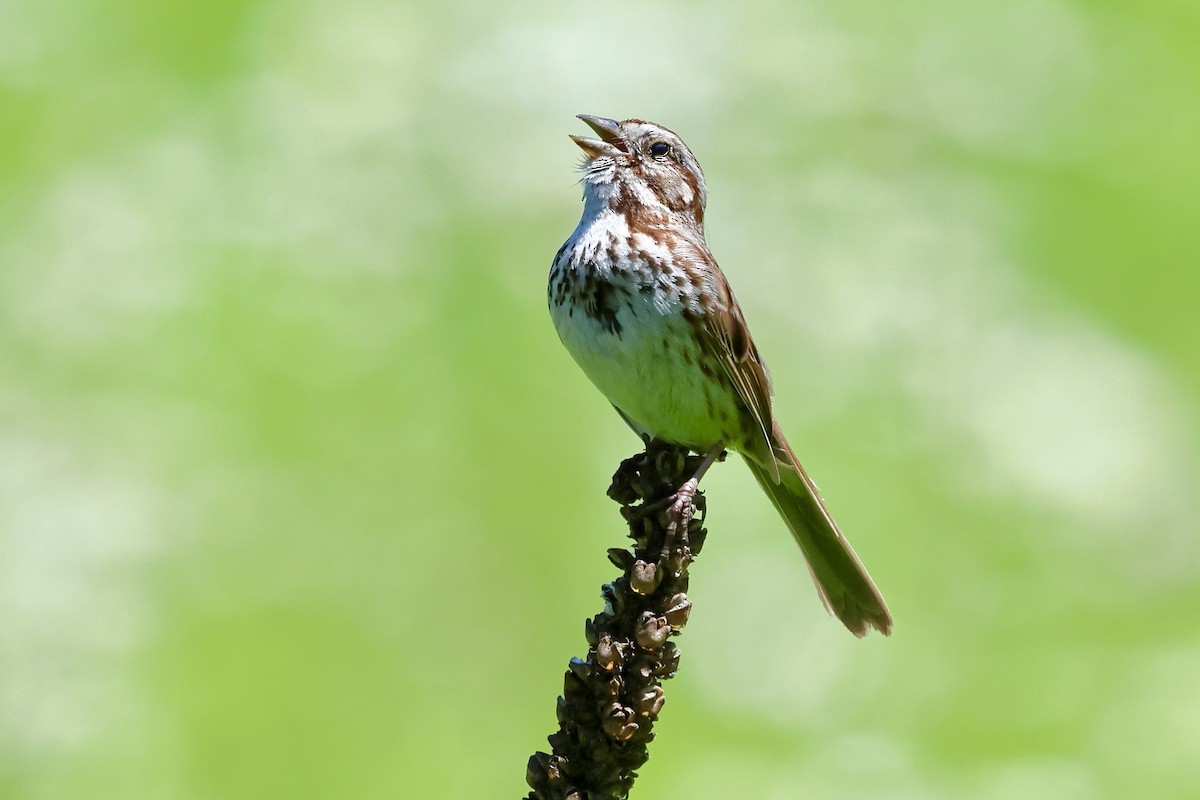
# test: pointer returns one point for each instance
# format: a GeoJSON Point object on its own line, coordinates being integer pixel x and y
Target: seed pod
{"type": "Point", "coordinates": [652, 632]}
{"type": "Point", "coordinates": [618, 723]}
{"type": "Point", "coordinates": [651, 701]}
{"type": "Point", "coordinates": [644, 578]}
{"type": "Point", "coordinates": [579, 668]}
{"type": "Point", "coordinates": [608, 654]}
{"type": "Point", "coordinates": [678, 609]}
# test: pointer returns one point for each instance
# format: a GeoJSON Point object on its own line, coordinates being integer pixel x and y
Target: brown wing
{"type": "Point", "coordinates": [728, 335]}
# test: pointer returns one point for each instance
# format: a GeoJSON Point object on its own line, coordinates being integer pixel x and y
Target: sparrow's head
{"type": "Point", "coordinates": [643, 164]}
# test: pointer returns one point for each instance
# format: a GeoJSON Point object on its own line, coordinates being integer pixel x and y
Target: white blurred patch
{"type": "Point", "coordinates": [106, 244]}
{"type": "Point", "coordinates": [1004, 75]}
{"type": "Point", "coordinates": [40, 43]}
{"type": "Point", "coordinates": [319, 168]}
{"type": "Point", "coordinates": [73, 538]}
{"type": "Point", "coordinates": [815, 69]}
{"type": "Point", "coordinates": [326, 164]}
{"type": "Point", "coordinates": [1073, 419]}
{"type": "Point", "coordinates": [509, 96]}
{"type": "Point", "coordinates": [525, 62]}
{"type": "Point", "coordinates": [355, 67]}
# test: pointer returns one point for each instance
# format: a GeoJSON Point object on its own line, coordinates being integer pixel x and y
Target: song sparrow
{"type": "Point", "coordinates": [641, 305]}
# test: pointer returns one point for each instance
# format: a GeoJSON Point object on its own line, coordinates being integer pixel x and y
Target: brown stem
{"type": "Point", "coordinates": [612, 697]}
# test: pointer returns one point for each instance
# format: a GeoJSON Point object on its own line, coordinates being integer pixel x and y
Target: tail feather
{"type": "Point", "coordinates": [842, 581]}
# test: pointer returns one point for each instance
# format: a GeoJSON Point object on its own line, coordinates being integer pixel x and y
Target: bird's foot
{"type": "Point", "coordinates": [678, 517]}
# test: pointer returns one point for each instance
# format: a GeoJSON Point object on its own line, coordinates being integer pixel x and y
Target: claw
{"type": "Point", "coordinates": [678, 518]}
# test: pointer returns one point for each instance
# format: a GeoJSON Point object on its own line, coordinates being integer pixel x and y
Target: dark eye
{"type": "Point", "coordinates": [659, 149]}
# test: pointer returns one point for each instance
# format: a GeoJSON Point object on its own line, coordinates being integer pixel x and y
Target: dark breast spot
{"type": "Point", "coordinates": [601, 300]}
{"type": "Point", "coordinates": [556, 287]}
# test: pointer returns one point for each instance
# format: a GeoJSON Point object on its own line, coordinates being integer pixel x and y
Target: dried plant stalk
{"type": "Point", "coordinates": [613, 696]}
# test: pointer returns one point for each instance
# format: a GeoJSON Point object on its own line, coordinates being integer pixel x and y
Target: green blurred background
{"type": "Point", "coordinates": [300, 496]}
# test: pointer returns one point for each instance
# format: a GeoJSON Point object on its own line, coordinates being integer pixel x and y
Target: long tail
{"type": "Point", "coordinates": [842, 581]}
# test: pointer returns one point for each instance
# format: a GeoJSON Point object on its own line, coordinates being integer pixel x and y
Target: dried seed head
{"type": "Point", "coordinates": [668, 662]}
{"type": "Point", "coordinates": [678, 560]}
{"type": "Point", "coordinates": [608, 654]}
{"type": "Point", "coordinates": [620, 558]}
{"type": "Point", "coordinates": [612, 599]}
{"type": "Point", "coordinates": [560, 709]}
{"type": "Point", "coordinates": [560, 740]}
{"type": "Point", "coordinates": [535, 771]}
{"type": "Point", "coordinates": [619, 723]}
{"type": "Point", "coordinates": [579, 668]}
{"type": "Point", "coordinates": [652, 631]}
{"type": "Point", "coordinates": [642, 667]}
{"type": "Point", "coordinates": [650, 702]}
{"type": "Point", "coordinates": [612, 699]}
{"type": "Point", "coordinates": [644, 578]}
{"type": "Point", "coordinates": [677, 610]}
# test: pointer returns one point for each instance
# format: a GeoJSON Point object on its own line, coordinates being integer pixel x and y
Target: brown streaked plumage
{"type": "Point", "coordinates": [640, 303]}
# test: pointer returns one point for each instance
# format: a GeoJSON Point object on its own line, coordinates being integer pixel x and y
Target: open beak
{"type": "Point", "coordinates": [609, 143]}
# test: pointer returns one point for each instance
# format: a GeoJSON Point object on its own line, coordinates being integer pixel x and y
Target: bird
{"type": "Point", "coordinates": [640, 304]}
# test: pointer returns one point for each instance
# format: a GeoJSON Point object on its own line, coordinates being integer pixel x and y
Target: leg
{"type": "Point", "coordinates": [683, 498]}
{"type": "Point", "coordinates": [679, 512]}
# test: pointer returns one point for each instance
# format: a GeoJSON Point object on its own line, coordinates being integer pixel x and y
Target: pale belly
{"type": "Point", "coordinates": [643, 358]}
